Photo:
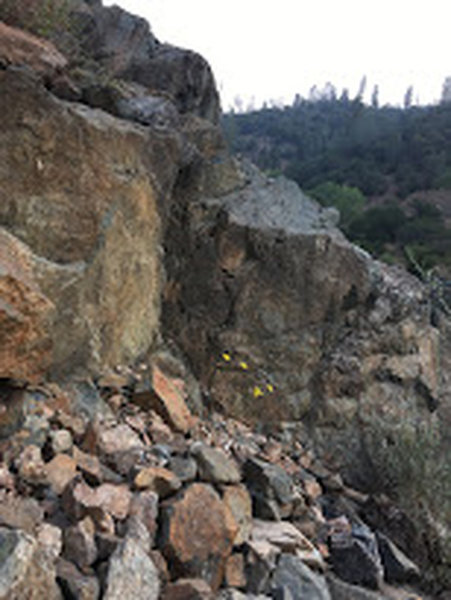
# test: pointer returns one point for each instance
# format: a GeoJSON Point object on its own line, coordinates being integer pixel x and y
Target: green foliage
{"type": "Point", "coordinates": [377, 226]}
{"type": "Point", "coordinates": [348, 200]}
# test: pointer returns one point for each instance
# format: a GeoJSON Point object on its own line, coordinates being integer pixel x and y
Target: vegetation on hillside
{"type": "Point", "coordinates": [366, 160]}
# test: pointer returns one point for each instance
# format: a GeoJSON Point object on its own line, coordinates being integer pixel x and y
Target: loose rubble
{"type": "Point", "coordinates": [101, 508]}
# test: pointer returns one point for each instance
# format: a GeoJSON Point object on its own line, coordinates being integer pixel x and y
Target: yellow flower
{"type": "Point", "coordinates": [244, 365]}
{"type": "Point", "coordinates": [226, 356]}
{"type": "Point", "coordinates": [270, 387]}
{"type": "Point", "coordinates": [257, 392]}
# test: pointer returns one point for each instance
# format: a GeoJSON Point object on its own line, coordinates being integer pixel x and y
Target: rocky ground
{"type": "Point", "coordinates": [115, 490]}
{"type": "Point", "coordinates": [281, 386]}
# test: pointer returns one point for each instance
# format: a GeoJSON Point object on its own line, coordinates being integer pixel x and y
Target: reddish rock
{"type": "Point", "coordinates": [197, 535]}
{"type": "Point", "coordinates": [59, 471]}
{"type": "Point", "coordinates": [80, 499]}
{"type": "Point", "coordinates": [167, 399]}
{"type": "Point", "coordinates": [188, 589]}
{"type": "Point", "coordinates": [6, 478]}
{"type": "Point", "coordinates": [235, 575]}
{"type": "Point", "coordinates": [24, 313]}
{"type": "Point", "coordinates": [237, 500]}
{"type": "Point", "coordinates": [18, 47]}
{"type": "Point", "coordinates": [159, 480]}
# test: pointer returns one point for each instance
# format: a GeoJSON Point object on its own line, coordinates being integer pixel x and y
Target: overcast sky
{"type": "Point", "coordinates": [266, 49]}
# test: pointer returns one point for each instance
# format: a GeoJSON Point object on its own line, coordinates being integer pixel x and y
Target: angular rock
{"type": "Point", "coordinates": [301, 581]}
{"type": "Point", "coordinates": [238, 501]}
{"type": "Point", "coordinates": [31, 465]}
{"type": "Point", "coordinates": [117, 439]}
{"type": "Point", "coordinates": [61, 441]}
{"type": "Point", "coordinates": [354, 553]}
{"type": "Point", "coordinates": [339, 590]}
{"type": "Point", "coordinates": [50, 538]}
{"type": "Point", "coordinates": [188, 589]}
{"type": "Point", "coordinates": [184, 467]}
{"type": "Point", "coordinates": [94, 471]}
{"type": "Point", "coordinates": [196, 535]}
{"type": "Point", "coordinates": [144, 507]}
{"type": "Point", "coordinates": [271, 488]}
{"type": "Point", "coordinates": [235, 575]}
{"type": "Point", "coordinates": [284, 537]}
{"type": "Point", "coordinates": [159, 480]}
{"type": "Point", "coordinates": [76, 585]}
{"type": "Point", "coordinates": [214, 465]}
{"type": "Point", "coordinates": [79, 499]}
{"type": "Point", "coordinates": [25, 572]}
{"type": "Point", "coordinates": [17, 512]}
{"type": "Point", "coordinates": [131, 574]}
{"type": "Point", "coordinates": [60, 471]}
{"type": "Point", "coordinates": [79, 543]}
{"type": "Point", "coordinates": [167, 399]}
{"type": "Point", "coordinates": [398, 568]}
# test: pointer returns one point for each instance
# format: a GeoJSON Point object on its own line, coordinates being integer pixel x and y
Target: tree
{"type": "Point", "coordinates": [446, 91]}
{"type": "Point", "coordinates": [408, 96]}
{"type": "Point", "coordinates": [362, 88]}
{"type": "Point", "coordinates": [375, 97]}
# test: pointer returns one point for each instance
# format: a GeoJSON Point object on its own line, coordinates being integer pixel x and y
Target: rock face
{"type": "Point", "coordinates": [285, 320]}
{"type": "Point", "coordinates": [81, 195]}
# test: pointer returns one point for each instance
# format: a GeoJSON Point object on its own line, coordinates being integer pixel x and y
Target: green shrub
{"type": "Point", "coordinates": [46, 18]}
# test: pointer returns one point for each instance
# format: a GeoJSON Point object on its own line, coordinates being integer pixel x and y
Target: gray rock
{"type": "Point", "coordinates": [79, 543]}
{"type": "Point", "coordinates": [213, 465]}
{"type": "Point", "coordinates": [355, 557]}
{"type": "Point", "coordinates": [270, 486]}
{"type": "Point", "coordinates": [76, 585]}
{"type": "Point", "coordinates": [294, 577]}
{"type": "Point", "coordinates": [25, 570]}
{"type": "Point", "coordinates": [339, 590]}
{"type": "Point", "coordinates": [398, 568]}
{"type": "Point", "coordinates": [131, 574]}
{"type": "Point", "coordinates": [184, 467]}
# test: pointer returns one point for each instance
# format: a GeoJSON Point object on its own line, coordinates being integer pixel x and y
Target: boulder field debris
{"type": "Point", "coordinates": [129, 504]}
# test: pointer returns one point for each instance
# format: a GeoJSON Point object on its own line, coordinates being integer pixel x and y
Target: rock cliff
{"type": "Point", "coordinates": [126, 229]}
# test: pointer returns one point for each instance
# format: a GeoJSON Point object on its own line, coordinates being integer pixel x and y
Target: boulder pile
{"type": "Point", "coordinates": [114, 489]}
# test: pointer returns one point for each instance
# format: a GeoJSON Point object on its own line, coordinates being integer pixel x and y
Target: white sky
{"type": "Point", "coordinates": [266, 49]}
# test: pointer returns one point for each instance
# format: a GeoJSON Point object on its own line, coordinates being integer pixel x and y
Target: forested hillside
{"type": "Point", "coordinates": [387, 169]}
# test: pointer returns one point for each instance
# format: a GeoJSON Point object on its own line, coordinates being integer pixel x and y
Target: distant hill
{"type": "Point", "coordinates": [397, 159]}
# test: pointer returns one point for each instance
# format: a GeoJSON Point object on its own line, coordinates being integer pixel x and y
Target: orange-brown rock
{"type": "Point", "coordinates": [235, 575]}
{"type": "Point", "coordinates": [59, 471]}
{"type": "Point", "coordinates": [20, 48]}
{"type": "Point", "coordinates": [197, 536]}
{"type": "Point", "coordinates": [80, 499]}
{"type": "Point", "coordinates": [159, 480]}
{"type": "Point", "coordinates": [172, 394]}
{"type": "Point", "coordinates": [81, 189]}
{"type": "Point", "coordinates": [25, 313]}
{"type": "Point", "coordinates": [188, 589]}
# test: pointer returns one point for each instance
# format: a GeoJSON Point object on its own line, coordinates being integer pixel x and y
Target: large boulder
{"type": "Point", "coordinates": [285, 320]}
{"type": "Point", "coordinates": [83, 191]}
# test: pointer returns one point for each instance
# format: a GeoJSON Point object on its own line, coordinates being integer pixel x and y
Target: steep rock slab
{"type": "Point", "coordinates": [285, 320]}
{"type": "Point", "coordinates": [82, 190]}
{"type": "Point", "coordinates": [25, 313]}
